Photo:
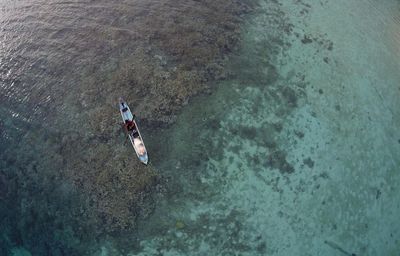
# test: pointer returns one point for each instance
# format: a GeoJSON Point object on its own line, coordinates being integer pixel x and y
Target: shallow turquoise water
{"type": "Point", "coordinates": [296, 153]}
{"type": "Point", "coordinates": [324, 102]}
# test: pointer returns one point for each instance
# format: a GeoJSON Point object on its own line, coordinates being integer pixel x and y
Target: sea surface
{"type": "Point", "coordinates": [273, 127]}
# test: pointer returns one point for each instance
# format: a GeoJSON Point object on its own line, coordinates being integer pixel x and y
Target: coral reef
{"type": "Point", "coordinates": [180, 48]}
{"type": "Point", "coordinates": [66, 176]}
{"type": "Point", "coordinates": [117, 186]}
{"type": "Point", "coordinates": [176, 56]}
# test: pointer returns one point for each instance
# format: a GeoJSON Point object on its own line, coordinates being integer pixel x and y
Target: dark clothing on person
{"type": "Point", "coordinates": [131, 128]}
{"type": "Point", "coordinates": [130, 125]}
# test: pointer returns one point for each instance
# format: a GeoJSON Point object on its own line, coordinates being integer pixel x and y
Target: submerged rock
{"type": "Point", "coordinates": [179, 224]}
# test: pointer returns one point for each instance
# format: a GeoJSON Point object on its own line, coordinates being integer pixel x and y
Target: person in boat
{"type": "Point", "coordinates": [130, 125]}
{"type": "Point", "coordinates": [131, 128]}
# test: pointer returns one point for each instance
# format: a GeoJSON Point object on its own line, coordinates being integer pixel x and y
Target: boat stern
{"type": "Point", "coordinates": [144, 159]}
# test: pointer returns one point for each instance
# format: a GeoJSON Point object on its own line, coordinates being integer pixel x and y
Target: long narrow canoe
{"type": "Point", "coordinates": [133, 132]}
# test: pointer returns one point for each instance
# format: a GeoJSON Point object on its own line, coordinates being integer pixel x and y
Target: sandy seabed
{"type": "Point", "coordinates": [299, 153]}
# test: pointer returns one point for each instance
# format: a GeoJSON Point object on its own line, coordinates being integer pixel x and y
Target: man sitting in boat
{"type": "Point", "coordinates": [129, 124]}
{"type": "Point", "coordinates": [131, 127]}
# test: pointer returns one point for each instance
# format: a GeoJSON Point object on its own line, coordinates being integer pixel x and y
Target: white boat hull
{"type": "Point", "coordinates": [137, 142]}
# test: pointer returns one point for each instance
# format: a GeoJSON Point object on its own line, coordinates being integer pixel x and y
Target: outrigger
{"type": "Point", "coordinates": [133, 131]}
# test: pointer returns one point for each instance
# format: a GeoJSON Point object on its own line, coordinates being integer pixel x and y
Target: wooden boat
{"type": "Point", "coordinates": [133, 131]}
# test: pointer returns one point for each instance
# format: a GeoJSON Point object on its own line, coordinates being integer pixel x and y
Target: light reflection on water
{"type": "Point", "coordinates": [45, 45]}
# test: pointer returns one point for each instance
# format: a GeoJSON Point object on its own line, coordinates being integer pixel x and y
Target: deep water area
{"type": "Point", "coordinates": [272, 127]}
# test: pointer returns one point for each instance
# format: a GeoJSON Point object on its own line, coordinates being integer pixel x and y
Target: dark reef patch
{"type": "Point", "coordinates": [306, 40]}
{"type": "Point", "coordinates": [299, 134]}
{"type": "Point", "coordinates": [247, 132]}
{"type": "Point", "coordinates": [309, 162]}
{"type": "Point", "coordinates": [290, 96]}
{"type": "Point", "coordinates": [378, 194]}
{"type": "Point", "coordinates": [277, 160]}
